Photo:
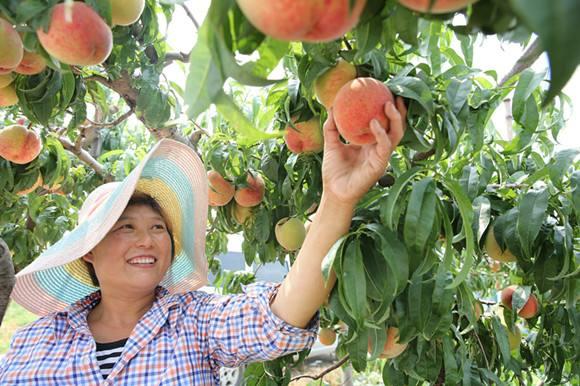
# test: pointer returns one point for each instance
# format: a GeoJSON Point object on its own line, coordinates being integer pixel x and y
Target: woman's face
{"type": "Point", "coordinates": [135, 254]}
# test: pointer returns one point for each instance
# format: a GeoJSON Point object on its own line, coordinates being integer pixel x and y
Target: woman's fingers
{"type": "Point", "coordinates": [331, 135]}
{"type": "Point", "coordinates": [383, 145]}
{"type": "Point", "coordinates": [397, 122]}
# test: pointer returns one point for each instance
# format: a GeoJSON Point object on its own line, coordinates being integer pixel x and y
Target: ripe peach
{"type": "Point", "coordinates": [83, 41]}
{"type": "Point", "coordinates": [282, 19]}
{"type": "Point", "coordinates": [328, 84]}
{"type": "Point", "coordinates": [335, 20]}
{"type": "Point", "coordinates": [356, 104]}
{"type": "Point", "coordinates": [529, 310]}
{"type": "Point", "coordinates": [326, 336]}
{"type": "Point", "coordinates": [241, 213]}
{"type": "Point", "coordinates": [290, 233]}
{"type": "Point", "coordinates": [305, 137]}
{"type": "Point", "coordinates": [5, 80]}
{"type": "Point", "coordinates": [308, 20]}
{"type": "Point", "coordinates": [126, 12]}
{"type": "Point", "coordinates": [11, 48]}
{"type": "Point", "coordinates": [8, 96]}
{"type": "Point", "coordinates": [31, 64]}
{"type": "Point", "coordinates": [392, 346]}
{"type": "Point", "coordinates": [19, 145]}
{"type": "Point", "coordinates": [494, 250]}
{"type": "Point", "coordinates": [439, 6]}
{"type": "Point", "coordinates": [253, 193]}
{"type": "Point", "coordinates": [220, 190]}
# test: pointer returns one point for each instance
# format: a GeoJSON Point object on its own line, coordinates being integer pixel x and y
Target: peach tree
{"type": "Point", "coordinates": [459, 215]}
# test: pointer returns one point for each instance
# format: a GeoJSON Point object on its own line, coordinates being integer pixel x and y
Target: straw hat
{"type": "Point", "coordinates": [173, 175]}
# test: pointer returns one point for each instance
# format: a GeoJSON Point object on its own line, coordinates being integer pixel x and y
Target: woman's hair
{"type": "Point", "coordinates": [137, 199]}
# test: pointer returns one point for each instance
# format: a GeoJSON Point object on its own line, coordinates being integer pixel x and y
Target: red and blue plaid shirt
{"type": "Point", "coordinates": [182, 340]}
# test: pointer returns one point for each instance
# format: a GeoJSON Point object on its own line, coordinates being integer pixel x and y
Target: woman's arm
{"type": "Point", "coordinates": [348, 172]}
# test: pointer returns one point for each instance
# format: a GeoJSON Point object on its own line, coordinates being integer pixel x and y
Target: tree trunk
{"type": "Point", "coordinates": [6, 278]}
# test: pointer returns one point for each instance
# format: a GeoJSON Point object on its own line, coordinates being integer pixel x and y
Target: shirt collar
{"type": "Point", "coordinates": [76, 314]}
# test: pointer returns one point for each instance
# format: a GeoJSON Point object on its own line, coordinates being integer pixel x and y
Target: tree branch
{"type": "Point", "coordinates": [84, 156]}
{"type": "Point", "coordinates": [115, 122]}
{"type": "Point", "coordinates": [190, 15]}
{"type": "Point", "coordinates": [527, 59]}
{"type": "Point", "coordinates": [326, 371]}
{"type": "Point", "coordinates": [170, 57]}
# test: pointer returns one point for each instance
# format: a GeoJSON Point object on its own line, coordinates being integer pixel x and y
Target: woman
{"type": "Point", "coordinates": [123, 281]}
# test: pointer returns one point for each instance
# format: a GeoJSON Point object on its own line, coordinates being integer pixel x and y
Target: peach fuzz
{"type": "Point", "coordinates": [31, 64]}
{"type": "Point", "coordinates": [529, 310]}
{"type": "Point", "coordinates": [305, 137]}
{"type": "Point", "coordinates": [330, 82]}
{"type": "Point", "coordinates": [357, 103]}
{"type": "Point", "coordinates": [83, 41]}
{"type": "Point", "coordinates": [306, 20]}
{"type": "Point", "coordinates": [5, 80]}
{"type": "Point", "coordinates": [8, 96]}
{"type": "Point", "coordinates": [336, 19]}
{"type": "Point", "coordinates": [253, 193]}
{"type": "Point", "coordinates": [220, 191]}
{"type": "Point", "coordinates": [126, 12]}
{"type": "Point", "coordinates": [439, 6]}
{"type": "Point", "coordinates": [19, 145]}
{"type": "Point", "coordinates": [11, 48]}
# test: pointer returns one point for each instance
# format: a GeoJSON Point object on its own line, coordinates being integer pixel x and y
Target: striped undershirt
{"type": "Point", "coordinates": [107, 355]}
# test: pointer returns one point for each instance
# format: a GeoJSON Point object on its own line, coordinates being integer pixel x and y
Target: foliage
{"type": "Point", "coordinates": [414, 255]}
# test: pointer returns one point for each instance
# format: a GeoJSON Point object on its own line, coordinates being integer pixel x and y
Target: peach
{"type": "Point", "coordinates": [335, 20]}
{"type": "Point", "coordinates": [529, 310]}
{"type": "Point", "coordinates": [126, 12]}
{"type": "Point", "coordinates": [5, 80]}
{"type": "Point", "coordinates": [253, 193]}
{"type": "Point", "coordinates": [305, 137]}
{"type": "Point", "coordinates": [356, 104]}
{"type": "Point", "coordinates": [220, 190]}
{"type": "Point", "coordinates": [326, 336]}
{"type": "Point", "coordinates": [241, 213]}
{"type": "Point", "coordinates": [290, 233]}
{"type": "Point", "coordinates": [31, 64]}
{"type": "Point", "coordinates": [439, 6]}
{"type": "Point", "coordinates": [11, 48]}
{"type": "Point", "coordinates": [19, 145]}
{"type": "Point", "coordinates": [8, 96]}
{"type": "Point", "coordinates": [307, 20]}
{"type": "Point", "coordinates": [83, 40]}
{"type": "Point", "coordinates": [392, 347]}
{"type": "Point", "coordinates": [494, 250]}
{"type": "Point", "coordinates": [328, 84]}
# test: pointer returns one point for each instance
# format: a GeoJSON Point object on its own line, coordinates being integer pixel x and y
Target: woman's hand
{"type": "Point", "coordinates": [349, 171]}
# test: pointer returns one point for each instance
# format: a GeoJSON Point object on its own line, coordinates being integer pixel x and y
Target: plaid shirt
{"type": "Point", "coordinates": [182, 340]}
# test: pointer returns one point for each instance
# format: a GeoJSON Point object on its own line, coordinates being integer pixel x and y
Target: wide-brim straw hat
{"type": "Point", "coordinates": [174, 176]}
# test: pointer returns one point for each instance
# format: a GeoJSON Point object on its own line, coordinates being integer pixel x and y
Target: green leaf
{"type": "Point", "coordinates": [532, 212]}
{"type": "Point", "coordinates": [247, 133]}
{"type": "Point", "coordinates": [330, 258]}
{"type": "Point", "coordinates": [353, 281]}
{"type": "Point", "coordinates": [560, 164]}
{"type": "Point", "coordinates": [556, 23]}
{"type": "Point", "coordinates": [205, 81]}
{"type": "Point", "coordinates": [575, 188]}
{"type": "Point", "coordinates": [392, 200]}
{"type": "Point", "coordinates": [457, 93]}
{"type": "Point", "coordinates": [413, 88]}
{"type": "Point", "coordinates": [481, 216]}
{"type": "Point", "coordinates": [528, 82]}
{"type": "Point", "coordinates": [420, 219]}
{"type": "Point", "coordinates": [466, 212]}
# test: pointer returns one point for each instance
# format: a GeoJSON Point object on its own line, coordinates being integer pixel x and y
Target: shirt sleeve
{"type": "Point", "coordinates": [242, 328]}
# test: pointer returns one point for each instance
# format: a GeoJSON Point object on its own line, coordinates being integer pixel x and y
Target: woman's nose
{"type": "Point", "coordinates": [144, 238]}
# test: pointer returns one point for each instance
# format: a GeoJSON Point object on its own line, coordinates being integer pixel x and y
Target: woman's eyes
{"type": "Point", "coordinates": [130, 226]}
